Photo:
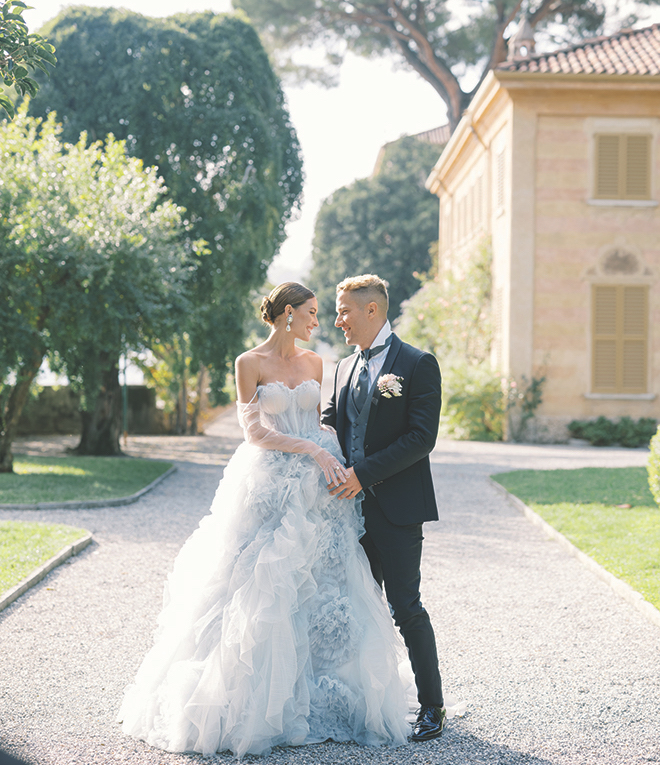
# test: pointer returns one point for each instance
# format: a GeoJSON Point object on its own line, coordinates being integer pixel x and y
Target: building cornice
{"type": "Point", "coordinates": [497, 80]}
{"type": "Point", "coordinates": [464, 131]}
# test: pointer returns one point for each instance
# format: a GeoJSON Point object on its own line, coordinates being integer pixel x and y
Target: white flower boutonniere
{"type": "Point", "coordinates": [389, 385]}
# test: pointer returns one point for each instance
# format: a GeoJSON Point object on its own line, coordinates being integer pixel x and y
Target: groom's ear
{"type": "Point", "coordinates": [372, 309]}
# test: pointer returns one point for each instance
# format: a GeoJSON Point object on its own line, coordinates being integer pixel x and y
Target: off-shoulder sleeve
{"type": "Point", "coordinates": [257, 434]}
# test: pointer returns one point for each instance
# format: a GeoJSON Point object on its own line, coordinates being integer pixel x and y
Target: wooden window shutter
{"type": "Point", "coordinates": [607, 166]}
{"type": "Point", "coordinates": [638, 167]}
{"type": "Point", "coordinates": [622, 166]}
{"type": "Point", "coordinates": [635, 321]}
{"type": "Point", "coordinates": [620, 339]}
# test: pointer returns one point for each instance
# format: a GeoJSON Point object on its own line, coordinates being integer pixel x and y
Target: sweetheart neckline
{"type": "Point", "coordinates": [284, 385]}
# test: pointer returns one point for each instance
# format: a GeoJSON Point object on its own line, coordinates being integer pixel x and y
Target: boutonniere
{"type": "Point", "coordinates": [389, 385]}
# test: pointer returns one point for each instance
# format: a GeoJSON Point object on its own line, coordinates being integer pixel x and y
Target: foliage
{"type": "Point", "coordinates": [653, 467]}
{"type": "Point", "coordinates": [63, 479]}
{"type": "Point", "coordinates": [20, 53]}
{"type": "Point", "coordinates": [523, 401]}
{"type": "Point", "coordinates": [450, 315]}
{"type": "Point", "coordinates": [25, 546]}
{"type": "Point", "coordinates": [604, 432]}
{"type": "Point", "coordinates": [385, 225]}
{"type": "Point", "coordinates": [91, 258]}
{"type": "Point", "coordinates": [475, 407]}
{"type": "Point", "coordinates": [193, 94]}
{"type": "Point", "coordinates": [435, 38]}
{"type": "Point", "coordinates": [608, 513]}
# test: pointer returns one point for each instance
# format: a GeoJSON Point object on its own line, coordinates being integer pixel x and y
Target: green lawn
{"type": "Point", "coordinates": [582, 505]}
{"type": "Point", "coordinates": [59, 479]}
{"type": "Point", "coordinates": [25, 546]}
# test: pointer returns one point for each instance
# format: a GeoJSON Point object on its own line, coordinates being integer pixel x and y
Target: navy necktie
{"type": "Point", "coordinates": [361, 388]}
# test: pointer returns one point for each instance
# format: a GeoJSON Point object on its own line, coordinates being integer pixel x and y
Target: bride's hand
{"type": "Point", "coordinates": [334, 472]}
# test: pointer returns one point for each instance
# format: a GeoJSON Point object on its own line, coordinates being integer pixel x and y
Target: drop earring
{"type": "Point", "coordinates": [289, 320]}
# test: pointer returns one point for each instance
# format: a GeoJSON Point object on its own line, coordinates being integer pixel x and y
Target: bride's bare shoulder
{"type": "Point", "coordinates": [248, 364]}
{"type": "Point", "coordinates": [314, 362]}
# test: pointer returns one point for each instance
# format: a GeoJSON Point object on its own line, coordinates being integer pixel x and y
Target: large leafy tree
{"type": "Point", "coordinates": [194, 95]}
{"type": "Point", "coordinates": [91, 258]}
{"type": "Point", "coordinates": [438, 39]}
{"type": "Point", "coordinates": [385, 224]}
{"type": "Point", "coordinates": [21, 53]}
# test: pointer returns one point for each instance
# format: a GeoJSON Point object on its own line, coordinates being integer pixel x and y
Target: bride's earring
{"type": "Point", "coordinates": [289, 320]}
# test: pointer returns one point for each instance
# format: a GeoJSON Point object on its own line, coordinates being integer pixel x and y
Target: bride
{"type": "Point", "coordinates": [273, 631]}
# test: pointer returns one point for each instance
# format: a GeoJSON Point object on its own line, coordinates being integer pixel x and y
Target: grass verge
{"type": "Point", "coordinates": [24, 546]}
{"type": "Point", "coordinates": [61, 479]}
{"type": "Point", "coordinates": [608, 513]}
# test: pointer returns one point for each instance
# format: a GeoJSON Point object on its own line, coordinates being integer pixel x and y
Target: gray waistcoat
{"type": "Point", "coordinates": [356, 427]}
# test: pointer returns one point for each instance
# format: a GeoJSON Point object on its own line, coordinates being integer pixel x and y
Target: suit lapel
{"type": "Point", "coordinates": [344, 385]}
{"type": "Point", "coordinates": [395, 347]}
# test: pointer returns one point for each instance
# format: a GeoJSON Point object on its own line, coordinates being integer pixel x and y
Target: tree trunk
{"type": "Point", "coordinates": [182, 398]}
{"type": "Point", "coordinates": [201, 384]}
{"type": "Point", "coordinates": [101, 425]}
{"type": "Point", "coordinates": [12, 413]}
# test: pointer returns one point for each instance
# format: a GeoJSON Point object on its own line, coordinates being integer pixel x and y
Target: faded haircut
{"type": "Point", "coordinates": [367, 288]}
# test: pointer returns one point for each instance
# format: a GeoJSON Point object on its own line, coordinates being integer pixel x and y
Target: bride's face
{"type": "Point", "coordinates": [304, 319]}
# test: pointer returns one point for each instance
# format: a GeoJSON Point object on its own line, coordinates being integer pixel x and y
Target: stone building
{"type": "Point", "coordinates": [557, 160]}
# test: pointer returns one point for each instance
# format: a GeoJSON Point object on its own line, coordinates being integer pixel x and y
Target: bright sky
{"type": "Point", "coordinates": [340, 129]}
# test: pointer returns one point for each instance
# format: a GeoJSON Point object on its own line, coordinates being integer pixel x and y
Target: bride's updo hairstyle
{"type": "Point", "coordinates": [288, 293]}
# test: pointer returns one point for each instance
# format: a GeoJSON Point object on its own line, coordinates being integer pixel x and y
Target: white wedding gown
{"type": "Point", "coordinates": [273, 631]}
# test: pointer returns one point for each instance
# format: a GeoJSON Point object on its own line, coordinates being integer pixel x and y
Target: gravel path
{"type": "Point", "coordinates": [555, 668]}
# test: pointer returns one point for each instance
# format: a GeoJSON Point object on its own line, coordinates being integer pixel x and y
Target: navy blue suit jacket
{"type": "Point", "coordinates": [401, 433]}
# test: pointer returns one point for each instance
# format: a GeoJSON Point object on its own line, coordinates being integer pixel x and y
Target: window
{"type": "Point", "coordinates": [623, 166]}
{"type": "Point", "coordinates": [620, 327]}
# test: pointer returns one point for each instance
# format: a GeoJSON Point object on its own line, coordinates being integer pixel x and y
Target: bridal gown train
{"type": "Point", "coordinates": [273, 631]}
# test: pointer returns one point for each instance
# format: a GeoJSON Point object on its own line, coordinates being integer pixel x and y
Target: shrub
{"type": "Point", "coordinates": [604, 432]}
{"type": "Point", "coordinates": [653, 467]}
{"type": "Point", "coordinates": [477, 410]}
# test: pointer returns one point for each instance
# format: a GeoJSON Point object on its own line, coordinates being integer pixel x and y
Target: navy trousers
{"type": "Point", "coordinates": [395, 554]}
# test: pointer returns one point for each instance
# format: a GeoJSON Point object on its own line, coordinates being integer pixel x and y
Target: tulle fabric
{"type": "Point", "coordinates": [273, 631]}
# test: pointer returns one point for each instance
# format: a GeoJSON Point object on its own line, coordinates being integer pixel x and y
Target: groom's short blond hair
{"type": "Point", "coordinates": [367, 288]}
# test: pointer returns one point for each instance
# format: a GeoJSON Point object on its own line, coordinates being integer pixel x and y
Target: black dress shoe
{"type": "Point", "coordinates": [430, 722]}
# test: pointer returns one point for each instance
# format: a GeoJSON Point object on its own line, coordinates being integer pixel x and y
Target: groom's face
{"type": "Point", "coordinates": [353, 320]}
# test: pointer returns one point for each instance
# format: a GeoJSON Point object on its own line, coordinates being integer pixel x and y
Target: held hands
{"type": "Point", "coordinates": [350, 487]}
{"type": "Point", "coordinates": [335, 473]}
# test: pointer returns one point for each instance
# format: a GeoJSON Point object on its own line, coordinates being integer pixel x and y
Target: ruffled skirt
{"type": "Point", "coordinates": [273, 631]}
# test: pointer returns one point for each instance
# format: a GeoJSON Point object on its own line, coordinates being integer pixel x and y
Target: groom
{"type": "Point", "coordinates": [385, 408]}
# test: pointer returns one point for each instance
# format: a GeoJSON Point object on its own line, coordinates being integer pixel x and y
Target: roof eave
{"type": "Point", "coordinates": [512, 79]}
{"type": "Point", "coordinates": [463, 130]}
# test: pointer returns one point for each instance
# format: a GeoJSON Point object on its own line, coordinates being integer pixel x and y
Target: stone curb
{"type": "Point", "coordinates": [621, 588]}
{"type": "Point", "coordinates": [36, 576]}
{"type": "Point", "coordinates": [91, 503]}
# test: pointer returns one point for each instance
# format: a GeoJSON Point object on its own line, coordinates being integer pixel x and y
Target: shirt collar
{"type": "Point", "coordinates": [381, 337]}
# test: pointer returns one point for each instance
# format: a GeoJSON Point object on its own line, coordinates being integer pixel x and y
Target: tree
{"type": "Point", "coordinates": [20, 53]}
{"type": "Point", "coordinates": [385, 224]}
{"type": "Point", "coordinates": [91, 258]}
{"type": "Point", "coordinates": [429, 36]}
{"type": "Point", "coordinates": [196, 96]}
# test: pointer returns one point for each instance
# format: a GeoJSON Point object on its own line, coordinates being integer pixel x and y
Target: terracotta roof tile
{"type": "Point", "coordinates": [632, 51]}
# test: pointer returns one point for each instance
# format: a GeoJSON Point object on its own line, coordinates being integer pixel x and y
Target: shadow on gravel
{"type": "Point", "coordinates": [452, 749]}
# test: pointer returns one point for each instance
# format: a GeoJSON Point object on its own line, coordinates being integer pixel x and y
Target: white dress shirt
{"type": "Point", "coordinates": [376, 362]}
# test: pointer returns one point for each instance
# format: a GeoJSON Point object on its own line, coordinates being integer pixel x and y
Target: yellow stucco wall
{"type": "Point", "coordinates": [571, 234]}
{"type": "Point", "coordinates": [549, 236]}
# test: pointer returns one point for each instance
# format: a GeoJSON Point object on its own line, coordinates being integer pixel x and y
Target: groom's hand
{"type": "Point", "coordinates": [349, 489]}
